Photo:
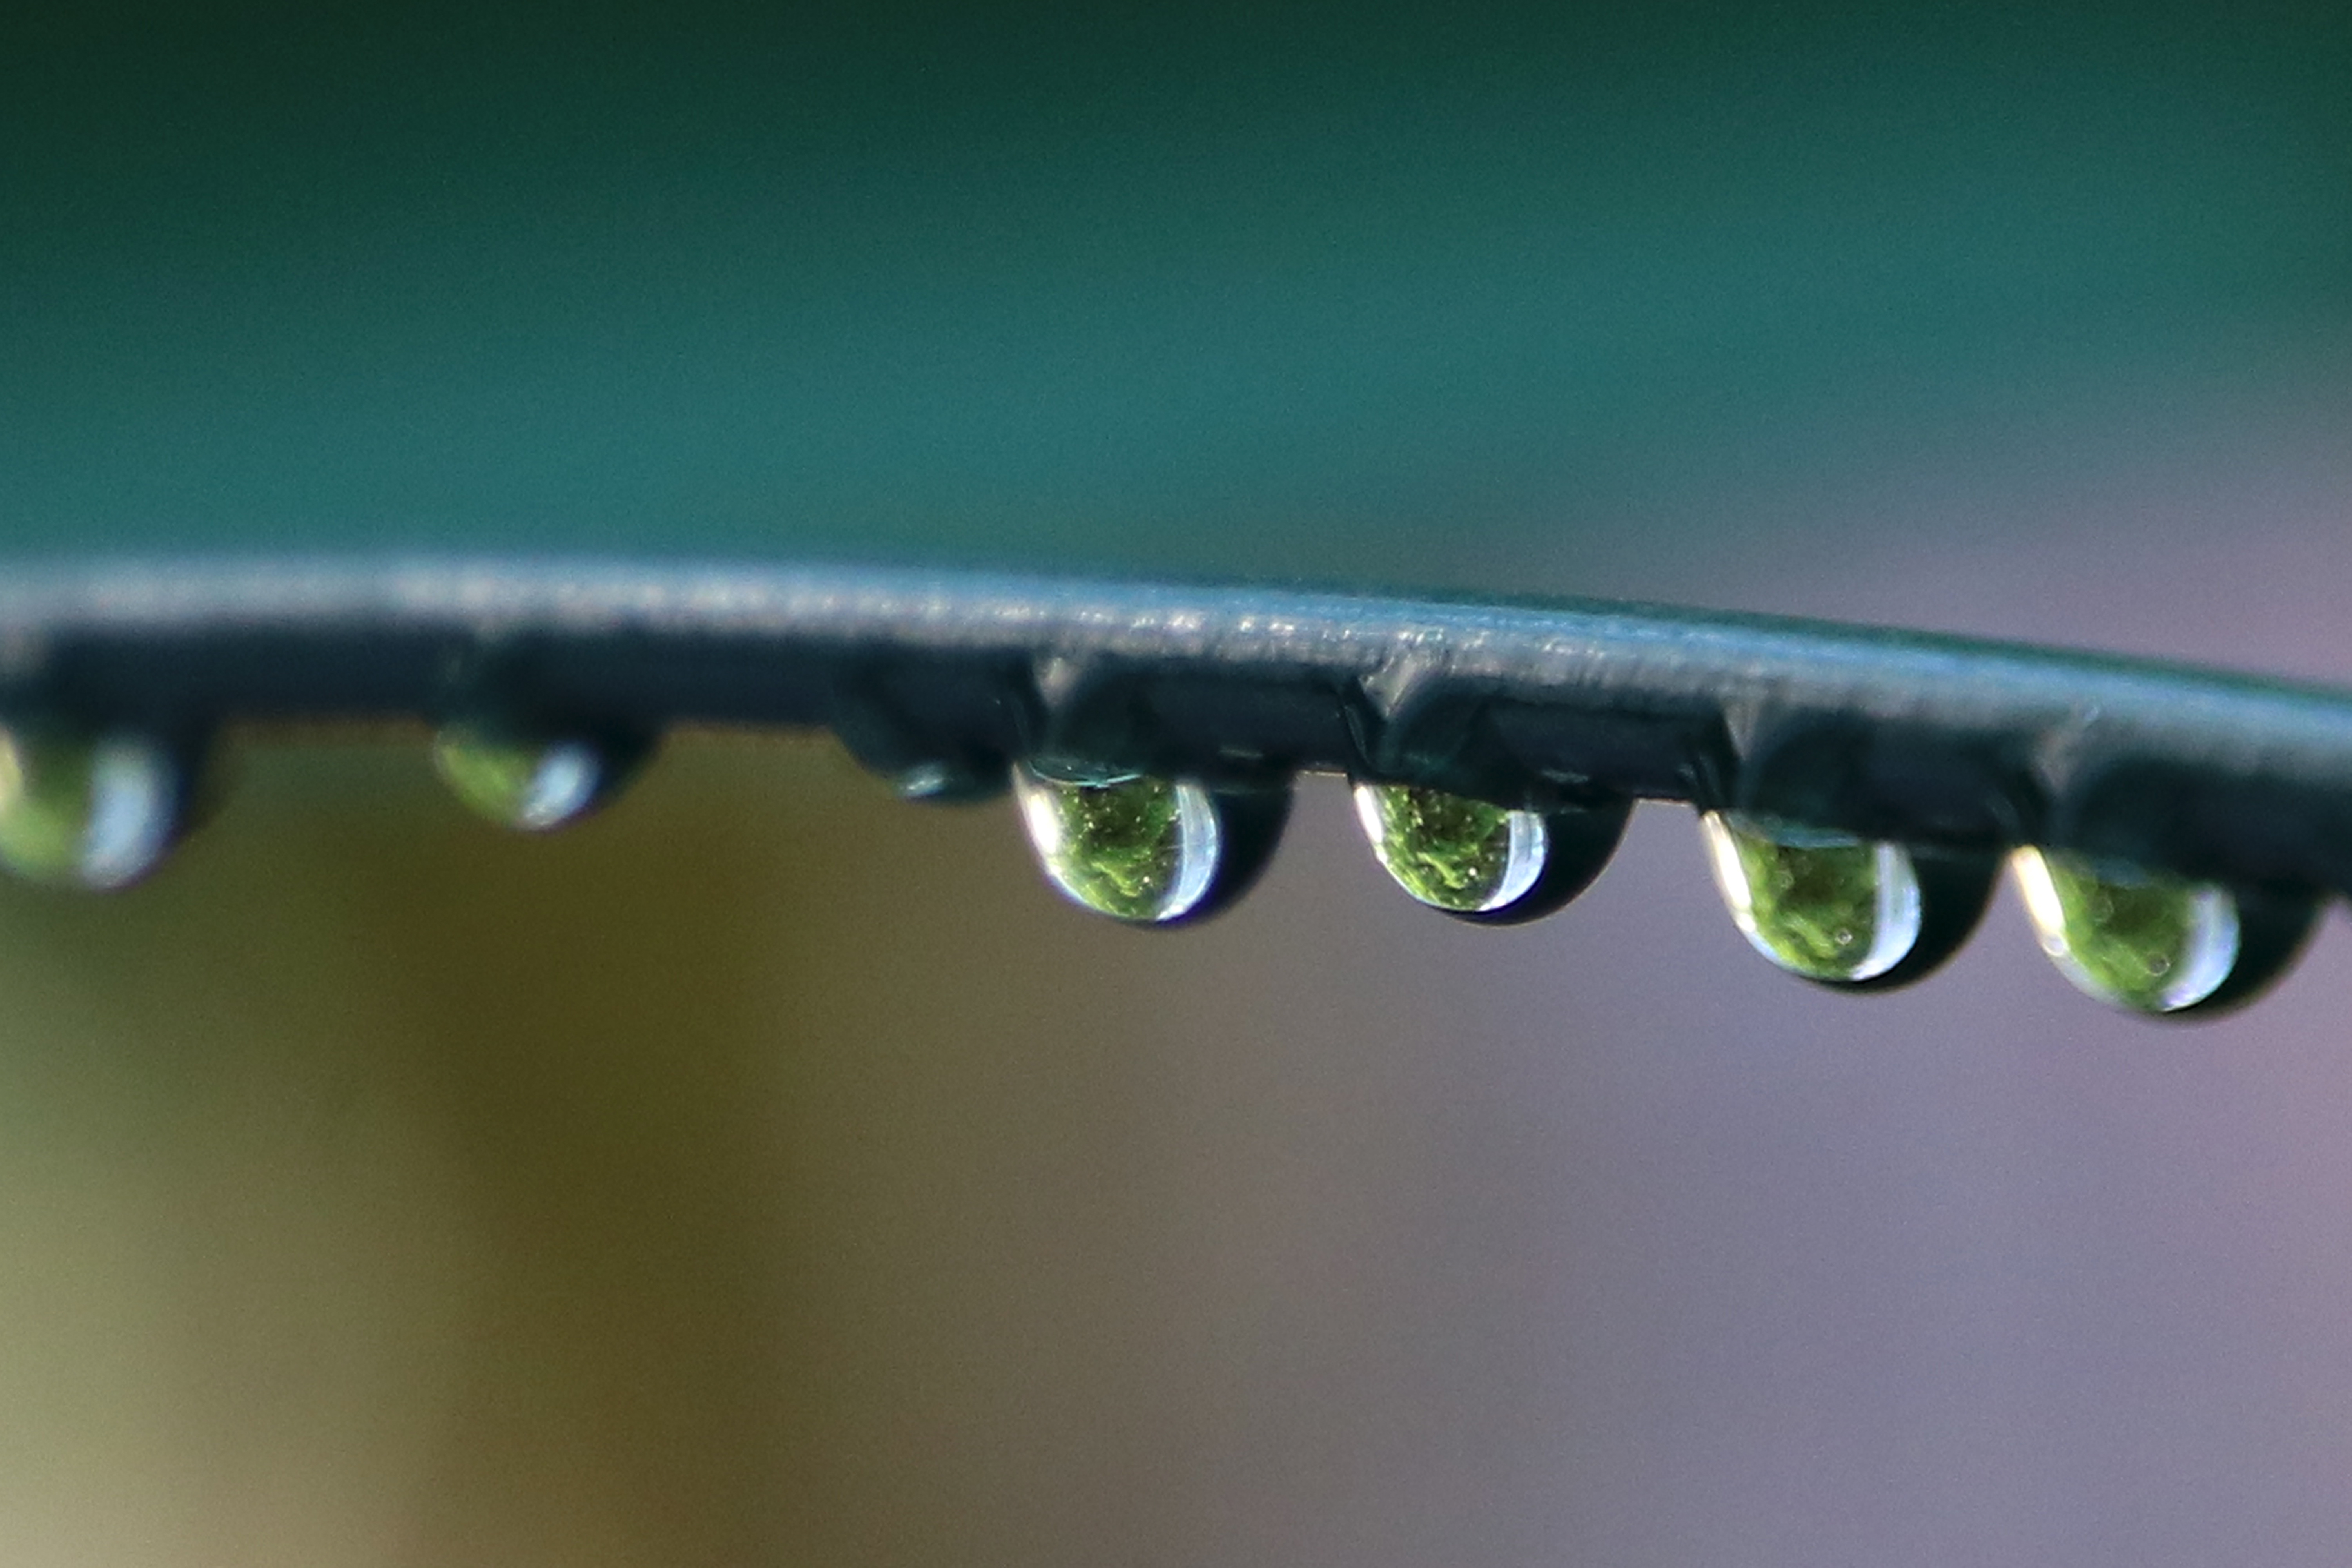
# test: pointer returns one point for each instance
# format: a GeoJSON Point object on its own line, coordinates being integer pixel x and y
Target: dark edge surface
{"type": "Point", "coordinates": [1930, 738]}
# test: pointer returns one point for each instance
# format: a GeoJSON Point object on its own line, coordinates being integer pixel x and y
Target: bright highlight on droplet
{"type": "Point", "coordinates": [1826, 905]}
{"type": "Point", "coordinates": [528, 783]}
{"type": "Point", "coordinates": [1132, 847]}
{"type": "Point", "coordinates": [81, 812]}
{"type": "Point", "coordinates": [2151, 942]}
{"type": "Point", "coordinates": [1464, 856]}
{"type": "Point", "coordinates": [946, 782]}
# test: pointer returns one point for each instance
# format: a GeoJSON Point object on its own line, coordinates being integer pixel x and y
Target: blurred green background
{"type": "Point", "coordinates": [770, 1173]}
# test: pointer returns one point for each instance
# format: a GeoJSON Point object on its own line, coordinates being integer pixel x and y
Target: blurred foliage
{"type": "Point", "coordinates": [381, 1188]}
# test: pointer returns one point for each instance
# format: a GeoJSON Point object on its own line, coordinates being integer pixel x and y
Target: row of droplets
{"type": "Point", "coordinates": [1831, 907]}
{"type": "Point", "coordinates": [101, 811]}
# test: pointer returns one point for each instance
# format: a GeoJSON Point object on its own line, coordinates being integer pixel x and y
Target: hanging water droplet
{"type": "Point", "coordinates": [526, 781]}
{"type": "Point", "coordinates": [1127, 845]}
{"type": "Point", "coordinates": [78, 812]}
{"type": "Point", "coordinates": [2139, 939]}
{"type": "Point", "coordinates": [1464, 856]}
{"type": "Point", "coordinates": [1823, 904]}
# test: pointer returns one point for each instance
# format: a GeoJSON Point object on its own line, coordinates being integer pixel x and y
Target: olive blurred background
{"type": "Point", "coordinates": [770, 1172]}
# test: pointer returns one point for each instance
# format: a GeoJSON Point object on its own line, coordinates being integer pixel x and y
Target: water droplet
{"type": "Point", "coordinates": [1823, 904]}
{"type": "Point", "coordinates": [526, 781]}
{"type": "Point", "coordinates": [78, 812]}
{"type": "Point", "coordinates": [1127, 845]}
{"type": "Point", "coordinates": [1464, 856]}
{"type": "Point", "coordinates": [2139, 939]}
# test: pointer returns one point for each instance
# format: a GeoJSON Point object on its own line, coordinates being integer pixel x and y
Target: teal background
{"type": "Point", "coordinates": [1468, 296]}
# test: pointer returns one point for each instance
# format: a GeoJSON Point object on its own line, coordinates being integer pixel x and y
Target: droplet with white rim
{"type": "Point", "coordinates": [520, 780]}
{"type": "Point", "coordinates": [1827, 905]}
{"type": "Point", "coordinates": [1130, 846]}
{"type": "Point", "coordinates": [96, 813]}
{"type": "Point", "coordinates": [1452, 852]}
{"type": "Point", "coordinates": [2136, 938]}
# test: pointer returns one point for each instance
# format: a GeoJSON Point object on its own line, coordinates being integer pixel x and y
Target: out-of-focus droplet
{"type": "Point", "coordinates": [80, 812]}
{"type": "Point", "coordinates": [1464, 856]}
{"type": "Point", "coordinates": [1823, 904]}
{"type": "Point", "coordinates": [518, 780]}
{"type": "Point", "coordinates": [2151, 942]}
{"type": "Point", "coordinates": [1129, 846]}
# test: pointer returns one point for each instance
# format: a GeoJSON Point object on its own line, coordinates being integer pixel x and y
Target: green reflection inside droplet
{"type": "Point", "coordinates": [1449, 851]}
{"type": "Point", "coordinates": [1135, 848]}
{"type": "Point", "coordinates": [2152, 942]}
{"type": "Point", "coordinates": [519, 781]}
{"type": "Point", "coordinates": [44, 806]}
{"type": "Point", "coordinates": [78, 812]}
{"type": "Point", "coordinates": [1826, 905]}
